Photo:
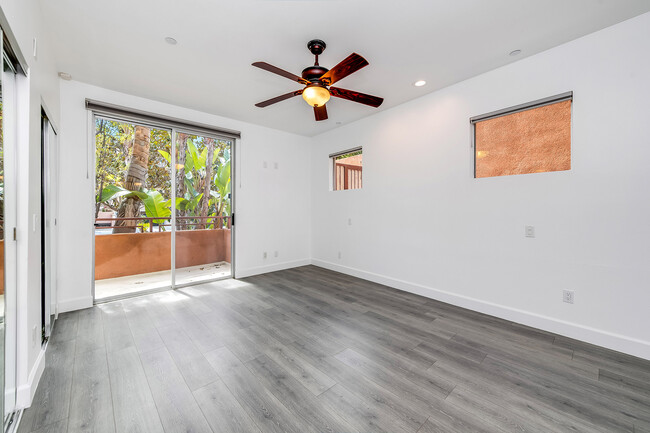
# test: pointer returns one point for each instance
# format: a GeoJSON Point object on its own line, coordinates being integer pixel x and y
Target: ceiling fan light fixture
{"type": "Point", "coordinates": [316, 95]}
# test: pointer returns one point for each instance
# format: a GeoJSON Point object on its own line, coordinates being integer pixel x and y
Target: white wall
{"type": "Point", "coordinates": [422, 223]}
{"type": "Point", "coordinates": [272, 205]}
{"type": "Point", "coordinates": [39, 87]}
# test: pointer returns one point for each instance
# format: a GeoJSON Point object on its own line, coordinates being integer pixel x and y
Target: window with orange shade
{"type": "Point", "coordinates": [529, 138]}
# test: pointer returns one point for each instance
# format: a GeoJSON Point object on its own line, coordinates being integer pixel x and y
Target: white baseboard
{"type": "Point", "coordinates": [25, 392]}
{"type": "Point", "coordinates": [242, 273]}
{"type": "Point", "coordinates": [75, 304]}
{"type": "Point", "coordinates": [587, 334]}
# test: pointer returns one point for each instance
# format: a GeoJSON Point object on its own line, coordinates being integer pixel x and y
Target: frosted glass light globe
{"type": "Point", "coordinates": [316, 96]}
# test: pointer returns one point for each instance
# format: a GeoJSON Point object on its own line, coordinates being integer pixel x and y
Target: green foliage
{"type": "Point", "coordinates": [222, 186]}
{"type": "Point", "coordinates": [347, 155]}
{"type": "Point", "coordinates": [159, 166]}
{"type": "Point", "coordinates": [113, 150]}
{"type": "Point", "coordinates": [114, 144]}
{"type": "Point", "coordinates": [156, 206]}
{"type": "Point", "coordinates": [111, 192]}
{"type": "Point", "coordinates": [188, 205]}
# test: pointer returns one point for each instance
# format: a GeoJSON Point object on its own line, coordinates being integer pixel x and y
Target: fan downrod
{"type": "Point", "coordinates": [313, 73]}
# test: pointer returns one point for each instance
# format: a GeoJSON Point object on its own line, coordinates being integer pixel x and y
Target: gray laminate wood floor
{"type": "Point", "coordinates": [309, 350]}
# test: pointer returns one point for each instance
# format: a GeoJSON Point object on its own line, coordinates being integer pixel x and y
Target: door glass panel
{"type": "Point", "coordinates": [202, 209]}
{"type": "Point", "coordinates": [132, 208]}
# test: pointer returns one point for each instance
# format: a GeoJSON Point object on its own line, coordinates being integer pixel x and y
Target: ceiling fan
{"type": "Point", "coordinates": [317, 81]}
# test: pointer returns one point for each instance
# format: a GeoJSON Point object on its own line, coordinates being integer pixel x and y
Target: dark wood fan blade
{"type": "Point", "coordinates": [351, 64]}
{"type": "Point", "coordinates": [282, 72]}
{"type": "Point", "coordinates": [320, 113]}
{"type": "Point", "coordinates": [351, 95]}
{"type": "Point", "coordinates": [278, 99]}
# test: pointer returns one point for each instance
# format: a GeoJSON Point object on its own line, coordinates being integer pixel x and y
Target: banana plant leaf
{"type": "Point", "coordinates": [222, 178]}
{"type": "Point", "coordinates": [191, 157]}
{"type": "Point", "coordinates": [202, 159]}
{"type": "Point", "coordinates": [165, 155]}
{"type": "Point", "coordinates": [188, 205]}
{"type": "Point", "coordinates": [156, 206]}
{"type": "Point", "coordinates": [114, 191]}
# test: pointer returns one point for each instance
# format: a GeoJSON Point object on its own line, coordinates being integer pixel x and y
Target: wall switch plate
{"type": "Point", "coordinates": [530, 231]}
{"type": "Point", "coordinates": [264, 164]}
{"type": "Point", "coordinates": [264, 255]}
{"type": "Point", "coordinates": [275, 165]}
{"type": "Point", "coordinates": [567, 296]}
{"type": "Point", "coordinates": [339, 254]}
{"type": "Point", "coordinates": [349, 221]}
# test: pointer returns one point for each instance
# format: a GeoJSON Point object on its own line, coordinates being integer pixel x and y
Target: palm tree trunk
{"type": "Point", "coordinates": [136, 177]}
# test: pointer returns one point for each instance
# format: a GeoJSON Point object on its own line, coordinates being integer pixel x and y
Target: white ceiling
{"type": "Point", "coordinates": [119, 45]}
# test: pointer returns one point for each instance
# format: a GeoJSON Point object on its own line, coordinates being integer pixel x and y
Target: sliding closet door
{"type": "Point", "coordinates": [49, 202]}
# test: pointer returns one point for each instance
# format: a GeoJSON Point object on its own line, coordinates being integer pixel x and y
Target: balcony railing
{"type": "Point", "coordinates": [347, 176]}
{"type": "Point", "coordinates": [182, 223]}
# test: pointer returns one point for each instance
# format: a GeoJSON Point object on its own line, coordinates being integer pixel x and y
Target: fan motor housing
{"type": "Point", "coordinates": [313, 73]}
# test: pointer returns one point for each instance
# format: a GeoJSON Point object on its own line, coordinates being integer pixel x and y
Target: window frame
{"type": "Point", "coordinates": [332, 159]}
{"type": "Point", "coordinates": [566, 96]}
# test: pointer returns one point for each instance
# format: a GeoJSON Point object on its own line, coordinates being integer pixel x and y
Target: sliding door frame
{"type": "Point", "coordinates": [91, 172]}
{"type": "Point", "coordinates": [49, 226]}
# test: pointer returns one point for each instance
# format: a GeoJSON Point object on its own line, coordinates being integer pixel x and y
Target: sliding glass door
{"type": "Point", "coordinates": [202, 213]}
{"type": "Point", "coordinates": [162, 208]}
{"type": "Point", "coordinates": [132, 216]}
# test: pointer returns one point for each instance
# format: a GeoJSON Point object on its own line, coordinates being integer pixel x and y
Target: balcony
{"type": "Point", "coordinates": [140, 261]}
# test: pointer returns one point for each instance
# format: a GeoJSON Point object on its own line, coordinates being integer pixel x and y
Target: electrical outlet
{"type": "Point", "coordinates": [567, 296]}
{"type": "Point", "coordinates": [530, 231]}
{"type": "Point", "coordinates": [264, 164]}
{"type": "Point", "coordinates": [275, 165]}
{"type": "Point", "coordinates": [339, 254]}
{"type": "Point", "coordinates": [349, 221]}
{"type": "Point", "coordinates": [264, 255]}
{"type": "Point", "coordinates": [275, 254]}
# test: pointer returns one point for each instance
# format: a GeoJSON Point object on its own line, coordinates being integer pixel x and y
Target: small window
{"type": "Point", "coordinates": [529, 138]}
{"type": "Point", "coordinates": [347, 169]}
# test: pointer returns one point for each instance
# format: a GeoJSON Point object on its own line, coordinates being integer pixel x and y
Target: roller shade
{"type": "Point", "coordinates": [517, 108]}
{"type": "Point", "coordinates": [118, 112]}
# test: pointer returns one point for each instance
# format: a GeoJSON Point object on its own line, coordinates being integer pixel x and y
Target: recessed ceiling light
{"type": "Point", "coordinates": [515, 53]}
{"type": "Point", "coordinates": [170, 40]}
{"type": "Point", "coordinates": [65, 76]}
{"type": "Point", "coordinates": [419, 83]}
